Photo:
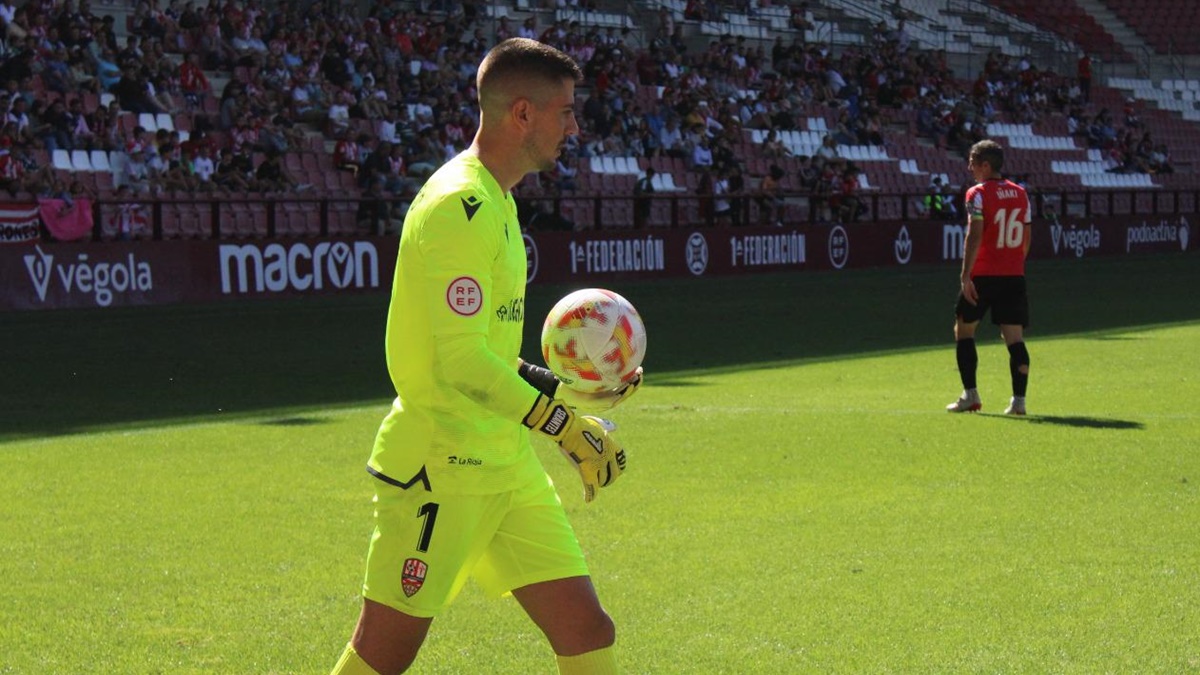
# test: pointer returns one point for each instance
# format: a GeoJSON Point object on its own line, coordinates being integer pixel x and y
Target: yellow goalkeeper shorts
{"type": "Point", "coordinates": [425, 546]}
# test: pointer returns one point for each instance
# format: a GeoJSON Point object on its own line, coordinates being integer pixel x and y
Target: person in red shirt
{"type": "Point", "coordinates": [1084, 71]}
{"type": "Point", "coordinates": [993, 274]}
{"type": "Point", "coordinates": [194, 82]}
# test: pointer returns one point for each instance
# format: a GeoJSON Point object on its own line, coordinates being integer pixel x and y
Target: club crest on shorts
{"type": "Point", "coordinates": [413, 577]}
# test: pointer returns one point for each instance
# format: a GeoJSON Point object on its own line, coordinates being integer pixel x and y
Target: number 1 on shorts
{"type": "Point", "coordinates": [427, 511]}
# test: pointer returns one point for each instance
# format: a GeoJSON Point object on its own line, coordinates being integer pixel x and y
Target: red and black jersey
{"type": "Point", "coordinates": [1004, 208]}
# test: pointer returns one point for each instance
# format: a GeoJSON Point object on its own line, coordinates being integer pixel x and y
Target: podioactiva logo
{"type": "Point", "coordinates": [100, 278]}
{"type": "Point", "coordinates": [299, 267]}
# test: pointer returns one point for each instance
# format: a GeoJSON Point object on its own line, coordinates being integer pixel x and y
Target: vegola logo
{"type": "Point", "coordinates": [102, 278]}
{"type": "Point", "coordinates": [39, 267]}
{"type": "Point", "coordinates": [1073, 239]}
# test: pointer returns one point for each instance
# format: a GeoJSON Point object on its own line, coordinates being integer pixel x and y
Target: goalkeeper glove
{"type": "Point", "coordinates": [583, 439]}
{"type": "Point", "coordinates": [544, 381]}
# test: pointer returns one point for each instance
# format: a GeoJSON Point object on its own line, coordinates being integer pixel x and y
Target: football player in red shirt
{"type": "Point", "coordinates": [993, 274]}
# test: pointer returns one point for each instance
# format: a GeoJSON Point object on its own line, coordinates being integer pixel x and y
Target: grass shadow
{"type": "Point", "coordinates": [1079, 421]}
{"type": "Point", "coordinates": [296, 421]}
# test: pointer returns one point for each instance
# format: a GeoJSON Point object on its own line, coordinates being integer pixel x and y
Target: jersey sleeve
{"type": "Point", "coordinates": [975, 203]}
{"type": "Point", "coordinates": [461, 240]}
{"type": "Point", "coordinates": [459, 243]}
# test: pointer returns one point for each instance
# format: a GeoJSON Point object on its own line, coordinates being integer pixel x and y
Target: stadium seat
{"type": "Point", "coordinates": [99, 161]}
{"type": "Point", "coordinates": [147, 121]}
{"type": "Point", "coordinates": [80, 160]}
{"type": "Point", "coordinates": [62, 160]}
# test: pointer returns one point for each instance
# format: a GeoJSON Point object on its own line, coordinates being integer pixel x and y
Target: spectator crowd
{"type": "Point", "coordinates": [392, 91]}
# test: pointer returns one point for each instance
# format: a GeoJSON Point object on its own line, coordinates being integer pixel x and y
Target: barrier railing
{"type": "Point", "coordinates": [251, 218]}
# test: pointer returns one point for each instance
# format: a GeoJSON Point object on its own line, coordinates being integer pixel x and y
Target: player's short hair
{"type": "Point", "coordinates": [525, 62]}
{"type": "Point", "coordinates": [988, 151]}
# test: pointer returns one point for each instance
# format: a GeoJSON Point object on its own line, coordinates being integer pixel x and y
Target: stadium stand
{"type": "Point", "coordinates": [169, 114]}
{"type": "Point", "coordinates": [1169, 26]}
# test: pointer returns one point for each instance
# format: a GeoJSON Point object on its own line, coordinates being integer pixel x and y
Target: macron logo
{"type": "Point", "coordinates": [471, 204]}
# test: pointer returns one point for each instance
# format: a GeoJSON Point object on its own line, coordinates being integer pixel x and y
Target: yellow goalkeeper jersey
{"type": "Point", "coordinates": [453, 337]}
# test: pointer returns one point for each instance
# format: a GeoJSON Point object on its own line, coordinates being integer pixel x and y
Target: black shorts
{"type": "Point", "coordinates": [1005, 296]}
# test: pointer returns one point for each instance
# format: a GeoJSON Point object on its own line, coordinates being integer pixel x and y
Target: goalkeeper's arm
{"type": "Point", "coordinates": [545, 381]}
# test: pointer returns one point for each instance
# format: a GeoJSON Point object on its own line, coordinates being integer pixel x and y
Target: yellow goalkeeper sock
{"type": "Point", "coordinates": [352, 664]}
{"type": "Point", "coordinates": [598, 662]}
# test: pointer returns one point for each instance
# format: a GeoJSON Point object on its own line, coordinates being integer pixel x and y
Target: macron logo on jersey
{"type": "Point", "coordinates": [471, 204]}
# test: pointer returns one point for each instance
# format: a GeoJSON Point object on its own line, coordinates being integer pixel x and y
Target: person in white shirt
{"type": "Point", "coordinates": [203, 167]}
{"type": "Point", "coordinates": [670, 138]}
{"type": "Point", "coordinates": [701, 154]}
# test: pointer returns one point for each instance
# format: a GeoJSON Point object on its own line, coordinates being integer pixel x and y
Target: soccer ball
{"type": "Point", "coordinates": [593, 340]}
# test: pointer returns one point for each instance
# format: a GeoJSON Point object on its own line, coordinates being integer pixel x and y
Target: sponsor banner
{"type": "Point", "coordinates": [19, 222]}
{"type": "Point", "coordinates": [112, 274]}
{"type": "Point", "coordinates": [115, 274]}
{"type": "Point", "coordinates": [1086, 237]}
{"type": "Point", "coordinates": [306, 267]}
{"type": "Point", "coordinates": [1159, 235]}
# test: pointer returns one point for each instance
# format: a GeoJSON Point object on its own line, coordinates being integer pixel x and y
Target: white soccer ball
{"type": "Point", "coordinates": [593, 340]}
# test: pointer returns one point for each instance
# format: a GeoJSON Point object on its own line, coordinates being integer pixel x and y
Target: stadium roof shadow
{"type": "Point", "coordinates": [73, 371]}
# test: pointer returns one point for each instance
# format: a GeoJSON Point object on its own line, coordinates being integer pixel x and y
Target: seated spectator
{"type": "Point", "coordinates": [670, 139]}
{"type": "Point", "coordinates": [338, 116]}
{"type": "Point", "coordinates": [828, 150]}
{"type": "Point", "coordinates": [1160, 160]}
{"type": "Point", "coordinates": [203, 168]}
{"type": "Point", "coordinates": [17, 122]}
{"type": "Point", "coordinates": [133, 91]}
{"type": "Point", "coordinates": [272, 177]}
{"type": "Point", "coordinates": [194, 83]}
{"type": "Point", "coordinates": [373, 100]}
{"type": "Point", "coordinates": [565, 172]}
{"type": "Point", "coordinates": [231, 175]}
{"type": "Point", "coordinates": [347, 155]}
{"type": "Point", "coordinates": [773, 148]}
{"type": "Point", "coordinates": [54, 128]}
{"type": "Point", "coordinates": [136, 175]}
{"type": "Point", "coordinates": [702, 155]}
{"type": "Point", "coordinates": [13, 174]}
{"type": "Point", "coordinates": [424, 155]}
{"type": "Point", "coordinates": [165, 170]}
{"type": "Point", "coordinates": [77, 122]}
{"type": "Point", "coordinates": [105, 129]}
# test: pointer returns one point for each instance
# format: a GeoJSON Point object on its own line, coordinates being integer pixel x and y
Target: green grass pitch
{"type": "Point", "coordinates": [183, 488]}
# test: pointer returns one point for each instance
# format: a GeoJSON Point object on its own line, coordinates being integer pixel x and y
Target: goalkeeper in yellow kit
{"type": "Point", "coordinates": [459, 490]}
